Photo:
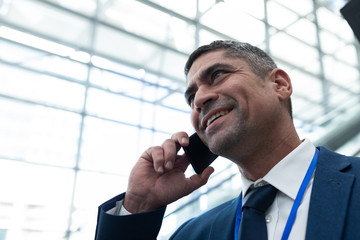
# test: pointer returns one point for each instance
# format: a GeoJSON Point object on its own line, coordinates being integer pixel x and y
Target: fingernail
{"type": "Point", "coordinates": [161, 169]}
{"type": "Point", "coordinates": [184, 140]}
{"type": "Point", "coordinates": [169, 165]}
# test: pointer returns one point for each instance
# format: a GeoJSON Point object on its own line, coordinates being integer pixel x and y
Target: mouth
{"type": "Point", "coordinates": [213, 117]}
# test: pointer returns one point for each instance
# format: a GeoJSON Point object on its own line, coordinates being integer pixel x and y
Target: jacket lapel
{"type": "Point", "coordinates": [330, 196]}
{"type": "Point", "coordinates": [224, 225]}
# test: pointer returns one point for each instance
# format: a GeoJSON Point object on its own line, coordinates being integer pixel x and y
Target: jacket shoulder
{"type": "Point", "coordinates": [337, 161]}
{"type": "Point", "coordinates": [207, 225]}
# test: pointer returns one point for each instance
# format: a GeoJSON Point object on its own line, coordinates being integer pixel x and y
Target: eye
{"type": "Point", "coordinates": [217, 74]}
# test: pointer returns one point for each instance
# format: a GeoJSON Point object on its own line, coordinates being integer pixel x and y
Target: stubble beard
{"type": "Point", "coordinates": [227, 142]}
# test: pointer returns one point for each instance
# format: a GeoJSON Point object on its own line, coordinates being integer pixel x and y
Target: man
{"type": "Point", "coordinates": [241, 110]}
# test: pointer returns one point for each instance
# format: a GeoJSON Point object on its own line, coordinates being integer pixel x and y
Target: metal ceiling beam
{"type": "Point", "coordinates": [341, 134]}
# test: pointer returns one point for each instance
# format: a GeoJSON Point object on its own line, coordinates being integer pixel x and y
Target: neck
{"type": "Point", "coordinates": [259, 160]}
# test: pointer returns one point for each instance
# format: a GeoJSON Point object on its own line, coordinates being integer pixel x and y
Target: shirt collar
{"type": "Point", "coordinates": [286, 175]}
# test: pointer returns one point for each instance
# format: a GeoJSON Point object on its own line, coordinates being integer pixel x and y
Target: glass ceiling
{"type": "Point", "coordinates": [86, 86]}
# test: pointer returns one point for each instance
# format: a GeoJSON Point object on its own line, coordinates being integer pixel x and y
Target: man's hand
{"type": "Point", "coordinates": [158, 177]}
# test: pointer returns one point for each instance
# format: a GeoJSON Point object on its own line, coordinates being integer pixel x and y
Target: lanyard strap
{"type": "Point", "coordinates": [238, 220]}
{"type": "Point", "coordinates": [294, 209]}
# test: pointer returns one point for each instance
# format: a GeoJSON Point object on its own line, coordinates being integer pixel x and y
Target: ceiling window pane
{"type": "Point", "coordinates": [334, 44]}
{"type": "Point", "coordinates": [306, 86]}
{"type": "Point", "coordinates": [138, 53]}
{"type": "Point", "coordinates": [206, 37]}
{"type": "Point", "coordinates": [173, 84]}
{"type": "Point", "coordinates": [303, 7]}
{"type": "Point", "coordinates": [333, 22]}
{"type": "Point", "coordinates": [279, 16]}
{"type": "Point", "coordinates": [14, 53]}
{"type": "Point", "coordinates": [39, 87]}
{"type": "Point", "coordinates": [176, 100]}
{"type": "Point", "coordinates": [173, 64]}
{"type": "Point", "coordinates": [295, 52]}
{"type": "Point", "coordinates": [339, 96]}
{"type": "Point", "coordinates": [112, 106]}
{"type": "Point", "coordinates": [61, 67]}
{"type": "Point", "coordinates": [342, 74]}
{"type": "Point", "coordinates": [234, 23]}
{"type": "Point", "coordinates": [330, 42]}
{"type": "Point", "coordinates": [17, 53]}
{"type": "Point", "coordinates": [147, 115]}
{"type": "Point", "coordinates": [38, 134]}
{"type": "Point", "coordinates": [47, 20]}
{"type": "Point", "coordinates": [304, 30]}
{"type": "Point", "coordinates": [148, 22]}
{"type": "Point", "coordinates": [36, 198]}
{"type": "Point", "coordinates": [181, 35]}
{"type": "Point", "coordinates": [232, 8]}
{"type": "Point", "coordinates": [90, 197]}
{"type": "Point", "coordinates": [120, 84]}
{"type": "Point", "coordinates": [171, 121]}
{"type": "Point", "coordinates": [87, 199]}
{"type": "Point", "coordinates": [309, 112]}
{"type": "Point", "coordinates": [149, 93]}
{"type": "Point", "coordinates": [33, 41]}
{"type": "Point", "coordinates": [184, 7]}
{"type": "Point", "coordinates": [254, 8]}
{"type": "Point", "coordinates": [116, 82]}
{"type": "Point", "coordinates": [348, 54]}
{"type": "Point", "coordinates": [146, 139]}
{"type": "Point", "coordinates": [87, 7]}
{"type": "Point", "coordinates": [108, 146]}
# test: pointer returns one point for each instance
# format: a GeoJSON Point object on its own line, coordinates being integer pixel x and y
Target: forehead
{"type": "Point", "coordinates": [206, 59]}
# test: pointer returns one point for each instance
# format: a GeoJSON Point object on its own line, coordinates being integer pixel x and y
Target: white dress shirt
{"type": "Point", "coordinates": [287, 177]}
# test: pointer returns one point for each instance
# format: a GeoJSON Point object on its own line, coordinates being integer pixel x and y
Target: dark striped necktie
{"type": "Point", "coordinates": [253, 225]}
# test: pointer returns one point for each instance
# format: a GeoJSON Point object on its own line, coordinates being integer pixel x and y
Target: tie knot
{"type": "Point", "coordinates": [262, 198]}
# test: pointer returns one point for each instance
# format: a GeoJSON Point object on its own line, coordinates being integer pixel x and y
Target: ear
{"type": "Point", "coordinates": [282, 84]}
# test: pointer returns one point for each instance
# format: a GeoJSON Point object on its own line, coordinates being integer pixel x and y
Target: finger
{"type": "Point", "coordinates": [157, 155]}
{"type": "Point", "coordinates": [199, 180]}
{"type": "Point", "coordinates": [182, 138]}
{"type": "Point", "coordinates": [181, 162]}
{"type": "Point", "coordinates": [170, 151]}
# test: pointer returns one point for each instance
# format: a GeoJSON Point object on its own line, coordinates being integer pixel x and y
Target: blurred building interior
{"type": "Point", "coordinates": [87, 85]}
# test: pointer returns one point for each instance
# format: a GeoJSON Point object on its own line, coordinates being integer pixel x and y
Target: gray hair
{"type": "Point", "coordinates": [259, 61]}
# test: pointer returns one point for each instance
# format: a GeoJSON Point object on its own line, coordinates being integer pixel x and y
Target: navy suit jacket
{"type": "Point", "coordinates": [334, 211]}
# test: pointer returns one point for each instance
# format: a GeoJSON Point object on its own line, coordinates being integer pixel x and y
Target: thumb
{"type": "Point", "coordinates": [198, 180]}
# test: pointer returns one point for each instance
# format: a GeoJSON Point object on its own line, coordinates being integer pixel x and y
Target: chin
{"type": "Point", "coordinates": [225, 143]}
{"type": "Point", "coordinates": [219, 146]}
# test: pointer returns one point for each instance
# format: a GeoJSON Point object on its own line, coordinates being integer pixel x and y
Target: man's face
{"type": "Point", "coordinates": [231, 106]}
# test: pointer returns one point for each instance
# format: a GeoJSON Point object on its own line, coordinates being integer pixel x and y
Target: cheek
{"type": "Point", "coordinates": [194, 116]}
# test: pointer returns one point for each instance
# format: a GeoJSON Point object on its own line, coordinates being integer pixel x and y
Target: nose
{"type": "Point", "coordinates": [204, 95]}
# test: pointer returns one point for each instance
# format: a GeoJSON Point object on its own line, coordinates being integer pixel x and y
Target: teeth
{"type": "Point", "coordinates": [216, 115]}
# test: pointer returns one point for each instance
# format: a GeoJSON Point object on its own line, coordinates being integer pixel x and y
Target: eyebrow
{"type": "Point", "coordinates": [205, 75]}
{"type": "Point", "coordinates": [208, 71]}
{"type": "Point", "coordinates": [189, 91]}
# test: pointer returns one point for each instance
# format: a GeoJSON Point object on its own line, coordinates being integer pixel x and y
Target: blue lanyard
{"type": "Point", "coordinates": [299, 197]}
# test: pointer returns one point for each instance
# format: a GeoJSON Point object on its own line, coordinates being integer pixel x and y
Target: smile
{"type": "Point", "coordinates": [216, 116]}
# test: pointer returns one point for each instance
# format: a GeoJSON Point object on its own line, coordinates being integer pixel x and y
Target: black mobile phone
{"type": "Point", "coordinates": [199, 154]}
